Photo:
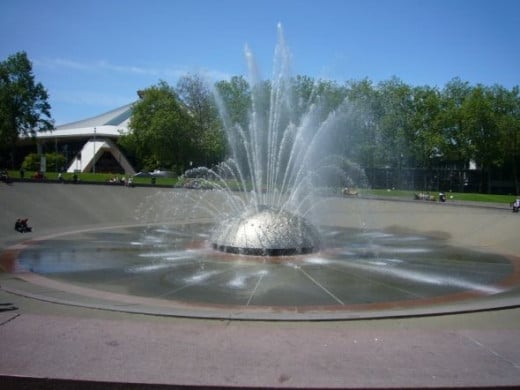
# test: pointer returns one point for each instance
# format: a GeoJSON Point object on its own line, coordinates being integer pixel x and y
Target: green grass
{"type": "Point", "coordinates": [482, 197]}
{"type": "Point", "coordinates": [170, 181]}
{"type": "Point", "coordinates": [460, 196]}
{"type": "Point", "coordinates": [89, 177]}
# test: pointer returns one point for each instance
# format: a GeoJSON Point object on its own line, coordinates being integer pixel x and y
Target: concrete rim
{"type": "Point", "coordinates": [39, 287]}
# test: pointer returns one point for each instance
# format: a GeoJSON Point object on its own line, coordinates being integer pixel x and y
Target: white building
{"type": "Point", "coordinates": [90, 144]}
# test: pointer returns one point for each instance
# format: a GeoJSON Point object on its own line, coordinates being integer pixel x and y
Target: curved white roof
{"type": "Point", "coordinates": [112, 124]}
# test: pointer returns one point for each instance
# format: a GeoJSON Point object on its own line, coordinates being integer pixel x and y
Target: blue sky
{"type": "Point", "coordinates": [92, 56]}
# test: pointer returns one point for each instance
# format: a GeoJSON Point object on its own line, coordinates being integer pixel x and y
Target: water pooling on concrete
{"type": "Point", "coordinates": [357, 274]}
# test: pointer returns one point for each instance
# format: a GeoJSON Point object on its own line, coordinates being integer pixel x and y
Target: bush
{"type": "Point", "coordinates": [54, 162]}
{"type": "Point", "coordinates": [31, 162]}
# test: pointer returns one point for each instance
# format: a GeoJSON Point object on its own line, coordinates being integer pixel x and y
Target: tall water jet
{"type": "Point", "coordinates": [277, 158]}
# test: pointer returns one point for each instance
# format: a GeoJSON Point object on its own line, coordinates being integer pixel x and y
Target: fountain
{"type": "Point", "coordinates": [257, 249]}
{"type": "Point", "coordinates": [276, 159]}
{"type": "Point", "coordinates": [267, 232]}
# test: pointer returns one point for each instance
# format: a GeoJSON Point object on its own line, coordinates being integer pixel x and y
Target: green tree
{"type": "Point", "coordinates": [507, 109]}
{"type": "Point", "coordinates": [425, 139]}
{"type": "Point", "coordinates": [24, 108]}
{"type": "Point", "coordinates": [304, 89]}
{"type": "Point", "coordinates": [482, 130]}
{"type": "Point", "coordinates": [395, 122]}
{"type": "Point", "coordinates": [234, 101]}
{"type": "Point", "coordinates": [451, 121]}
{"type": "Point", "coordinates": [162, 130]}
{"type": "Point", "coordinates": [331, 94]}
{"type": "Point", "coordinates": [307, 91]}
{"type": "Point", "coordinates": [199, 99]}
{"type": "Point", "coordinates": [365, 143]}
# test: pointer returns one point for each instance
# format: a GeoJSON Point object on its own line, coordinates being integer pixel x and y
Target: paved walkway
{"type": "Point", "coordinates": [62, 342]}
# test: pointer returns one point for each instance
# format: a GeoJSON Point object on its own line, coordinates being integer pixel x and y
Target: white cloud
{"type": "Point", "coordinates": [91, 98]}
{"type": "Point", "coordinates": [103, 66]}
{"type": "Point", "coordinates": [82, 89]}
{"type": "Point", "coordinates": [167, 73]}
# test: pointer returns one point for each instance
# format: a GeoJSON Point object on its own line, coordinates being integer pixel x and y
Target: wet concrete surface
{"type": "Point", "coordinates": [59, 341]}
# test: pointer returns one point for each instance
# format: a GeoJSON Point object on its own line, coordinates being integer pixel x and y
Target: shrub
{"type": "Point", "coordinates": [54, 162]}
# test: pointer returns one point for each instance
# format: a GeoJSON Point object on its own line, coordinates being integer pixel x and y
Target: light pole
{"type": "Point", "coordinates": [94, 155]}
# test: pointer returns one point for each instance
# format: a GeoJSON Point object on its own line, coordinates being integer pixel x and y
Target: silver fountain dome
{"type": "Point", "coordinates": [266, 232]}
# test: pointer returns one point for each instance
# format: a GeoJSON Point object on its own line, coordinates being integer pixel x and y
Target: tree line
{"type": "Point", "coordinates": [391, 123]}
{"type": "Point", "coordinates": [450, 127]}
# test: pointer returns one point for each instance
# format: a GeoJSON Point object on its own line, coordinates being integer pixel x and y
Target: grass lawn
{"type": "Point", "coordinates": [460, 196]}
{"type": "Point", "coordinates": [171, 181]}
{"type": "Point", "coordinates": [88, 177]}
